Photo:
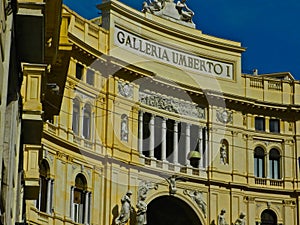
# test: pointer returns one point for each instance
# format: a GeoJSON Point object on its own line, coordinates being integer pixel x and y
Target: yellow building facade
{"type": "Point", "coordinates": [157, 113]}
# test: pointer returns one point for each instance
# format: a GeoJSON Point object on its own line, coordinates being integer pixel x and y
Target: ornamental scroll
{"type": "Point", "coordinates": [173, 105]}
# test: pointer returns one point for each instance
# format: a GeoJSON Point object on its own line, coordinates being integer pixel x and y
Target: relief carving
{"type": "Point", "coordinates": [172, 105]}
{"type": "Point", "coordinates": [125, 90]}
{"type": "Point", "coordinates": [224, 116]}
{"type": "Point", "coordinates": [198, 198]}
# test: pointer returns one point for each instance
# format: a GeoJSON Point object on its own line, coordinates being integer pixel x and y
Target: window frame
{"type": "Point", "coordinates": [257, 125]}
{"type": "Point", "coordinates": [259, 162]}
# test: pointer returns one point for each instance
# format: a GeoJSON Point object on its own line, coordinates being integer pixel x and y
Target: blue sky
{"type": "Point", "coordinates": [269, 29]}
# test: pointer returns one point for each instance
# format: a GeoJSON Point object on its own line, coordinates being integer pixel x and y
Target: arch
{"type": "Point", "coordinates": [268, 217]}
{"type": "Point", "coordinates": [169, 210]}
{"type": "Point", "coordinates": [44, 168]}
{"type": "Point", "coordinates": [44, 201]}
{"type": "Point", "coordinates": [81, 182]}
{"type": "Point", "coordinates": [259, 162]}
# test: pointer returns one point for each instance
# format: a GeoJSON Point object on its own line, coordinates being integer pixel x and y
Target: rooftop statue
{"type": "Point", "coordinates": [177, 12]}
{"type": "Point", "coordinates": [153, 6]}
{"type": "Point", "coordinates": [185, 12]}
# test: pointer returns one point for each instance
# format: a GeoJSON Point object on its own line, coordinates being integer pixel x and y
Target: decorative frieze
{"type": "Point", "coordinates": [170, 104]}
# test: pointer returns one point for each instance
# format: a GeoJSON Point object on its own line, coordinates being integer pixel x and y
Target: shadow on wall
{"type": "Point", "coordinates": [115, 213]}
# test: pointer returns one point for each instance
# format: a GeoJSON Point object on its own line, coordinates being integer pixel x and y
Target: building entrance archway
{"type": "Point", "coordinates": [169, 210]}
{"type": "Point", "coordinates": [268, 217]}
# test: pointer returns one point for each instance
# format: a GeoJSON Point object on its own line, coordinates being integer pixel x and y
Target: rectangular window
{"type": "Point", "coordinates": [260, 123]}
{"type": "Point", "coordinates": [90, 77]}
{"type": "Point", "coordinates": [79, 71]}
{"type": "Point", "coordinates": [274, 125]}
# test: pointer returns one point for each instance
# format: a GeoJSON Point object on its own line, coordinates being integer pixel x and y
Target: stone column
{"type": "Point", "coordinates": [187, 143]}
{"type": "Point", "coordinates": [164, 139]}
{"type": "Point", "coordinates": [48, 206]}
{"type": "Point", "coordinates": [86, 208]}
{"type": "Point", "coordinates": [152, 130]}
{"type": "Point", "coordinates": [200, 147]}
{"type": "Point", "coordinates": [206, 158]}
{"type": "Point", "coordinates": [72, 203]}
{"type": "Point", "coordinates": [175, 143]}
{"type": "Point", "coordinates": [140, 139]}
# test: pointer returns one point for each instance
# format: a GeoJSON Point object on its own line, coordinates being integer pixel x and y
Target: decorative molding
{"type": "Point", "coordinates": [125, 89]}
{"type": "Point", "coordinates": [71, 84]}
{"type": "Point", "coordinates": [249, 199]}
{"type": "Point", "coordinates": [170, 104]}
{"type": "Point", "coordinates": [69, 158]}
{"type": "Point", "coordinates": [224, 116]}
{"type": "Point", "coordinates": [60, 155]}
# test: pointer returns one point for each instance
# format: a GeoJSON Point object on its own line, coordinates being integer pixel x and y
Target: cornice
{"type": "Point", "coordinates": [179, 31]}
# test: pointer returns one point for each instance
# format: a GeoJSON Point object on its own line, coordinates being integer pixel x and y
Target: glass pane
{"type": "Point", "coordinates": [274, 126]}
{"type": "Point", "coordinates": [90, 77]}
{"type": "Point", "coordinates": [271, 169]}
{"type": "Point", "coordinates": [255, 167]}
{"type": "Point", "coordinates": [260, 168]}
{"type": "Point", "coordinates": [259, 123]}
{"type": "Point", "coordinates": [79, 71]}
{"type": "Point", "coordinates": [276, 169]}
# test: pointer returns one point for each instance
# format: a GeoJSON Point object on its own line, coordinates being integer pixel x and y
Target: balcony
{"type": "Point", "coordinates": [171, 167]}
{"type": "Point", "coordinates": [269, 182]}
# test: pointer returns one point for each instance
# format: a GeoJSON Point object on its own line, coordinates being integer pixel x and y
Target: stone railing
{"type": "Point", "coordinates": [269, 182]}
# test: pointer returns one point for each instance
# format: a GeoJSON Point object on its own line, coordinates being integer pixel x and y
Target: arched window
{"type": "Point", "coordinates": [274, 164]}
{"type": "Point", "coordinates": [44, 202]}
{"type": "Point", "coordinates": [76, 116]}
{"type": "Point", "coordinates": [87, 121]}
{"type": "Point", "coordinates": [268, 217]}
{"type": "Point", "coordinates": [259, 162]}
{"type": "Point", "coordinates": [80, 201]}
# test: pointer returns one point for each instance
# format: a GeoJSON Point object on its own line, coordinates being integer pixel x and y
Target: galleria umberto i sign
{"type": "Point", "coordinates": [171, 56]}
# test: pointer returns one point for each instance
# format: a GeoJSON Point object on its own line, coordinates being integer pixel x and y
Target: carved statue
{"type": "Point", "coordinates": [124, 215]}
{"type": "Point", "coordinates": [241, 219]}
{"type": "Point", "coordinates": [198, 198]}
{"type": "Point", "coordinates": [153, 6]}
{"type": "Point", "coordinates": [185, 12]}
{"type": "Point", "coordinates": [141, 218]}
{"type": "Point", "coordinates": [172, 183]}
{"type": "Point", "coordinates": [124, 128]}
{"type": "Point", "coordinates": [141, 215]}
{"type": "Point", "coordinates": [144, 187]}
{"type": "Point", "coordinates": [221, 218]}
{"type": "Point", "coordinates": [223, 154]}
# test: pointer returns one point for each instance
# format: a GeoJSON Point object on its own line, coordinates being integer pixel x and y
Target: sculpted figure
{"type": "Point", "coordinates": [197, 197]}
{"type": "Point", "coordinates": [141, 218]}
{"type": "Point", "coordinates": [124, 128]}
{"type": "Point", "coordinates": [124, 215]}
{"type": "Point", "coordinates": [221, 218]}
{"type": "Point", "coordinates": [185, 12]}
{"type": "Point", "coordinates": [223, 154]}
{"type": "Point", "coordinates": [154, 5]}
{"type": "Point", "coordinates": [241, 219]}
